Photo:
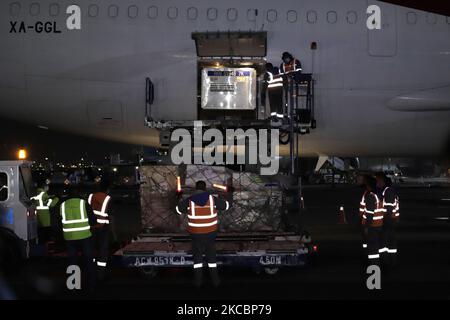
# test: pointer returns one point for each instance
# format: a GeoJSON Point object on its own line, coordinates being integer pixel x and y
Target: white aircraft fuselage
{"type": "Point", "coordinates": [378, 92]}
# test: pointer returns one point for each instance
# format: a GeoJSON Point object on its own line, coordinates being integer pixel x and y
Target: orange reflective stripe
{"type": "Point", "coordinates": [203, 219]}
{"type": "Point", "coordinates": [377, 219]}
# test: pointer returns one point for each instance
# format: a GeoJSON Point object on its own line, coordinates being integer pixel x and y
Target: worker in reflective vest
{"type": "Point", "coordinates": [77, 218]}
{"type": "Point", "coordinates": [289, 64]}
{"type": "Point", "coordinates": [391, 207]}
{"type": "Point", "coordinates": [100, 202]}
{"type": "Point", "coordinates": [44, 203]}
{"type": "Point", "coordinates": [372, 221]}
{"type": "Point", "coordinates": [202, 208]}
{"type": "Point", "coordinates": [290, 70]}
{"type": "Point", "coordinates": [274, 85]}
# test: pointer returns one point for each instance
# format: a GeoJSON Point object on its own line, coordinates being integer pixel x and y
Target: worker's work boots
{"type": "Point", "coordinates": [198, 277]}
{"type": "Point", "coordinates": [215, 280]}
{"type": "Point", "coordinates": [101, 274]}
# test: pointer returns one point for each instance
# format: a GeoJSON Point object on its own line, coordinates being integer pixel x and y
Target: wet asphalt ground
{"type": "Point", "coordinates": [423, 270]}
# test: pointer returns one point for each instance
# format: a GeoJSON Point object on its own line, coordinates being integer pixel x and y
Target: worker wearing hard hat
{"type": "Point", "coordinates": [77, 220]}
{"type": "Point", "coordinates": [202, 209]}
{"type": "Point", "coordinates": [100, 202]}
{"type": "Point", "coordinates": [44, 203]}
{"type": "Point", "coordinates": [390, 206]}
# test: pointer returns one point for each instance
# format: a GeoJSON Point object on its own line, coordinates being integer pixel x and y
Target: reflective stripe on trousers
{"type": "Point", "coordinates": [200, 265]}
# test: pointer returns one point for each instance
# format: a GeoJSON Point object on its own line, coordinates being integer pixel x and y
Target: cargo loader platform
{"type": "Point", "coordinates": [255, 250]}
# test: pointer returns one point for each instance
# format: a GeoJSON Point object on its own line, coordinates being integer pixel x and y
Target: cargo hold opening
{"type": "Point", "coordinates": [229, 67]}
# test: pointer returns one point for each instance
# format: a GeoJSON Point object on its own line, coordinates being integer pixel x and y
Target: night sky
{"type": "Point", "coordinates": [57, 146]}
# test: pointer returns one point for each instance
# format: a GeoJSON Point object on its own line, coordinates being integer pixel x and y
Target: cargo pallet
{"type": "Point", "coordinates": [267, 251]}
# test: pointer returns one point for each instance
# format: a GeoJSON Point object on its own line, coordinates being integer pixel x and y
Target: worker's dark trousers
{"type": "Point", "coordinates": [363, 236]}
{"type": "Point", "coordinates": [204, 244]}
{"type": "Point", "coordinates": [389, 247]}
{"type": "Point", "coordinates": [87, 252]}
{"type": "Point", "coordinates": [264, 86]}
{"type": "Point", "coordinates": [374, 239]}
{"type": "Point", "coordinates": [44, 234]}
{"type": "Point", "coordinates": [276, 100]}
{"type": "Point", "coordinates": [101, 238]}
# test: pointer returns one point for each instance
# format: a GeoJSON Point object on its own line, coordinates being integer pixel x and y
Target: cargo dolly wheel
{"type": "Point", "coordinates": [271, 271]}
{"type": "Point", "coordinates": [149, 272]}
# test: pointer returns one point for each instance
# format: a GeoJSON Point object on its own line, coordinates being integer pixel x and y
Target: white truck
{"type": "Point", "coordinates": [18, 221]}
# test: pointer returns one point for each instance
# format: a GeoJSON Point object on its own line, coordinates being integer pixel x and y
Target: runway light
{"type": "Point", "coordinates": [115, 169]}
{"type": "Point", "coordinates": [221, 187]}
{"type": "Point", "coordinates": [22, 154]}
{"type": "Point", "coordinates": [178, 184]}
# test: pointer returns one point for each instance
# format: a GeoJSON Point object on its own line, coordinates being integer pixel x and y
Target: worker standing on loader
{"type": "Point", "coordinates": [100, 203]}
{"type": "Point", "coordinates": [290, 70]}
{"type": "Point", "coordinates": [77, 218]}
{"type": "Point", "coordinates": [44, 203]}
{"type": "Point", "coordinates": [290, 64]}
{"type": "Point", "coordinates": [202, 208]}
{"type": "Point", "coordinates": [274, 91]}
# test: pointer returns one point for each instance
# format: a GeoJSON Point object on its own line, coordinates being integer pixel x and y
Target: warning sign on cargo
{"type": "Point", "coordinates": [229, 88]}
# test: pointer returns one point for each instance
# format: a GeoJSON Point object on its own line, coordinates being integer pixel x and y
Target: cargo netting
{"type": "Point", "coordinates": [255, 201]}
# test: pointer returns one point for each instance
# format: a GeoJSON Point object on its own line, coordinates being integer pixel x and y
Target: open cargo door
{"type": "Point", "coordinates": [229, 64]}
{"type": "Point", "coordinates": [231, 44]}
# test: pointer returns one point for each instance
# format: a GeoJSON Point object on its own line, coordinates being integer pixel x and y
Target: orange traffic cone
{"type": "Point", "coordinates": [342, 219]}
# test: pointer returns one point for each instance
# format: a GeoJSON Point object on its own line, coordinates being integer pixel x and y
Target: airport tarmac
{"type": "Point", "coordinates": [423, 270]}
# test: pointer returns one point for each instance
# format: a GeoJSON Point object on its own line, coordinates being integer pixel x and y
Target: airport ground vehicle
{"type": "Point", "coordinates": [18, 221]}
{"type": "Point", "coordinates": [262, 230]}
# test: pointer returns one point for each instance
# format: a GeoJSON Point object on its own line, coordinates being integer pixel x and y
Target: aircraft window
{"type": "Point", "coordinates": [232, 14]}
{"type": "Point", "coordinates": [35, 9]}
{"type": "Point", "coordinates": [172, 13]}
{"type": "Point", "coordinates": [311, 16]}
{"type": "Point", "coordinates": [292, 16]}
{"type": "Point", "coordinates": [93, 10]}
{"type": "Point", "coordinates": [272, 15]}
{"type": "Point", "coordinates": [431, 18]}
{"type": "Point", "coordinates": [3, 186]}
{"type": "Point", "coordinates": [411, 18]}
{"type": "Point", "coordinates": [133, 11]}
{"type": "Point", "coordinates": [113, 11]}
{"type": "Point", "coordinates": [53, 9]}
{"type": "Point", "coordinates": [152, 12]}
{"type": "Point", "coordinates": [352, 17]}
{"type": "Point", "coordinates": [26, 182]}
{"type": "Point", "coordinates": [332, 17]}
{"type": "Point", "coordinates": [192, 13]}
{"type": "Point", "coordinates": [251, 14]}
{"type": "Point", "coordinates": [14, 8]}
{"type": "Point", "coordinates": [212, 14]}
